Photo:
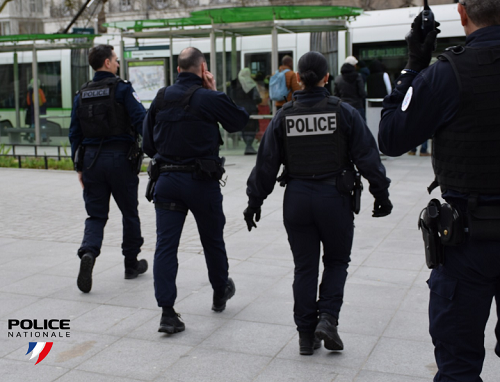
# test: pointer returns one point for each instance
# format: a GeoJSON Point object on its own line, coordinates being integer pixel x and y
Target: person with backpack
{"type": "Point", "coordinates": [350, 87]}
{"type": "Point", "coordinates": [283, 83]}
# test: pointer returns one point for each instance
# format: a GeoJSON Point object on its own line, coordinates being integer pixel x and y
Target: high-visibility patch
{"type": "Point", "coordinates": [311, 124]}
{"type": "Point", "coordinates": [95, 93]}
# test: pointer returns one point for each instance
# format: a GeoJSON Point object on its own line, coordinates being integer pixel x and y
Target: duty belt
{"type": "Point", "coordinates": [177, 168]}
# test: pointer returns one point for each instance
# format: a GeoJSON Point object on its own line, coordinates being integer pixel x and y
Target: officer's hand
{"type": "Point", "coordinates": [420, 52]}
{"type": "Point", "coordinates": [209, 81]}
{"type": "Point", "coordinates": [381, 208]}
{"type": "Point", "coordinates": [80, 179]}
{"type": "Point", "coordinates": [249, 214]}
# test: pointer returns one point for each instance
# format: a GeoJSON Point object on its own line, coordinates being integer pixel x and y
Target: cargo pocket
{"type": "Point", "coordinates": [443, 285]}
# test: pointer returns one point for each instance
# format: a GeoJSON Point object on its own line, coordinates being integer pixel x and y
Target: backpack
{"type": "Point", "coordinates": [278, 90]}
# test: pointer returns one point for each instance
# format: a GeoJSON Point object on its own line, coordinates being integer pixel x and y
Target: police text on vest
{"type": "Point", "coordinates": [311, 124]}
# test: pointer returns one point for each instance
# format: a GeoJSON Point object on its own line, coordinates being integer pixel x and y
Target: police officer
{"type": "Point", "coordinates": [319, 139]}
{"type": "Point", "coordinates": [455, 101]}
{"type": "Point", "coordinates": [106, 119]}
{"type": "Point", "coordinates": [181, 134]}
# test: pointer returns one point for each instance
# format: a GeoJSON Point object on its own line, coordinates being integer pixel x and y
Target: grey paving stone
{"type": "Point", "coordinates": [205, 365]}
{"type": "Point", "coordinates": [373, 376]}
{"type": "Point", "coordinates": [283, 370]}
{"type": "Point", "coordinates": [85, 376]}
{"type": "Point", "coordinates": [382, 297]}
{"type": "Point", "coordinates": [378, 276]}
{"type": "Point", "coordinates": [39, 285]}
{"type": "Point", "coordinates": [364, 320]}
{"type": "Point", "coordinates": [395, 356]}
{"type": "Point", "coordinates": [142, 296]}
{"type": "Point", "coordinates": [113, 320]}
{"type": "Point", "coordinates": [409, 326]}
{"type": "Point", "coordinates": [390, 260]}
{"type": "Point", "coordinates": [269, 310]}
{"type": "Point", "coordinates": [416, 300]}
{"type": "Point", "coordinates": [250, 337]}
{"type": "Point", "coordinates": [133, 358]}
{"type": "Point", "coordinates": [19, 371]}
{"type": "Point", "coordinates": [10, 302]}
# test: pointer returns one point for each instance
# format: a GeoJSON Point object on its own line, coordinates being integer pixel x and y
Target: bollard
{"type": "Point", "coordinates": [19, 160]}
{"type": "Point", "coordinates": [46, 162]}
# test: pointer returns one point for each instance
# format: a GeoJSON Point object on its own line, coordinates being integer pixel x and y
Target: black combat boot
{"type": "Point", "coordinates": [308, 343]}
{"type": "Point", "coordinates": [134, 269]}
{"type": "Point", "coordinates": [170, 322]}
{"type": "Point", "coordinates": [219, 302]}
{"type": "Point", "coordinates": [326, 330]}
{"type": "Point", "coordinates": [84, 280]}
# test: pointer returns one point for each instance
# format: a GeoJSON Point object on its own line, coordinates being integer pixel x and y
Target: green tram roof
{"type": "Point", "coordinates": [245, 21]}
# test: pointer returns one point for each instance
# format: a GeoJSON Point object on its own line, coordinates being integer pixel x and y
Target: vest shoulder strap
{"type": "Point", "coordinates": [335, 101]}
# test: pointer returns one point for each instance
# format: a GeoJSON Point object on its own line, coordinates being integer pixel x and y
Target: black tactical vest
{"type": "Point", "coordinates": [181, 130]}
{"type": "Point", "coordinates": [466, 153]}
{"type": "Point", "coordinates": [99, 114]}
{"type": "Point", "coordinates": [315, 143]}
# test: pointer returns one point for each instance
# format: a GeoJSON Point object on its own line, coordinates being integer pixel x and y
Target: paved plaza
{"type": "Point", "coordinates": [114, 337]}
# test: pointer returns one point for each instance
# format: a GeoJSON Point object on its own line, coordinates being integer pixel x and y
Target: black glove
{"type": "Point", "coordinates": [249, 214]}
{"type": "Point", "coordinates": [420, 48]}
{"type": "Point", "coordinates": [381, 208]}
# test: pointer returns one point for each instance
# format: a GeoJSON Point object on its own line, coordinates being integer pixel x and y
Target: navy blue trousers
{"type": "Point", "coordinates": [316, 213]}
{"type": "Point", "coordinates": [204, 199]}
{"type": "Point", "coordinates": [461, 293]}
{"type": "Point", "coordinates": [111, 174]}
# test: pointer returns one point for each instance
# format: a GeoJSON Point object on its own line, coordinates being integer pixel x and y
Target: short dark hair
{"type": "Point", "coordinates": [312, 68]}
{"type": "Point", "coordinates": [287, 61]}
{"type": "Point", "coordinates": [190, 59]}
{"type": "Point", "coordinates": [98, 54]}
{"type": "Point", "coordinates": [483, 13]}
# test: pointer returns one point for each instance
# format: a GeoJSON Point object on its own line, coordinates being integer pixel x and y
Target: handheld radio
{"type": "Point", "coordinates": [428, 22]}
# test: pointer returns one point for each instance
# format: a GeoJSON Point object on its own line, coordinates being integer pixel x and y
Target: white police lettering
{"type": "Point", "coordinates": [311, 124]}
{"type": "Point", "coordinates": [95, 93]}
{"type": "Point", "coordinates": [407, 99]}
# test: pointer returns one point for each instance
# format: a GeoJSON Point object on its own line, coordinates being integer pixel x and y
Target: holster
{"type": "Point", "coordinates": [154, 174]}
{"type": "Point", "coordinates": [79, 154]}
{"type": "Point", "coordinates": [441, 225]}
{"type": "Point", "coordinates": [135, 155]}
{"type": "Point", "coordinates": [484, 221]}
{"type": "Point", "coordinates": [428, 224]}
{"type": "Point", "coordinates": [356, 193]}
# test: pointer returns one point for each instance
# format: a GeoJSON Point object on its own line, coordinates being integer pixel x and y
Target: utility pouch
{"type": "Point", "coordinates": [79, 154]}
{"type": "Point", "coordinates": [356, 193]}
{"type": "Point", "coordinates": [346, 181]}
{"type": "Point", "coordinates": [484, 222]}
{"type": "Point", "coordinates": [451, 225]}
{"type": "Point", "coordinates": [428, 223]}
{"type": "Point", "coordinates": [154, 174]}
{"type": "Point", "coordinates": [209, 169]}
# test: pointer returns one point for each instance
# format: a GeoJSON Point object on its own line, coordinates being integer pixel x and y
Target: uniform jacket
{"type": "Point", "coordinates": [124, 95]}
{"type": "Point", "coordinates": [215, 106]}
{"type": "Point", "coordinates": [362, 149]}
{"type": "Point", "coordinates": [431, 104]}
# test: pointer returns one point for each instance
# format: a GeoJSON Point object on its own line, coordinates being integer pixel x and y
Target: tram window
{"type": "Point", "coordinates": [261, 62]}
{"type": "Point", "coordinates": [49, 74]}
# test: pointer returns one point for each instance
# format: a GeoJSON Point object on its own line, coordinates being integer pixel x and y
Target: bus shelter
{"type": "Point", "coordinates": [11, 124]}
{"type": "Point", "coordinates": [235, 22]}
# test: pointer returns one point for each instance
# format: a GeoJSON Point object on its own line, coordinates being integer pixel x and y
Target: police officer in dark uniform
{"type": "Point", "coordinates": [319, 139]}
{"type": "Point", "coordinates": [455, 101]}
{"type": "Point", "coordinates": [106, 119]}
{"type": "Point", "coordinates": [181, 134]}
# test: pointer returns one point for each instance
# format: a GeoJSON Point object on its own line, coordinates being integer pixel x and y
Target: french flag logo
{"type": "Point", "coordinates": [40, 349]}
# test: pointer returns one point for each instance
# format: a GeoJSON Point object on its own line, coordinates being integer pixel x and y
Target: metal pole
{"type": "Point", "coordinates": [171, 61]}
{"type": "Point", "coordinates": [16, 91]}
{"type": "Point", "coordinates": [213, 55]}
{"type": "Point", "coordinates": [348, 47]}
{"type": "Point", "coordinates": [274, 57]}
{"type": "Point", "coordinates": [123, 64]}
{"type": "Point", "coordinates": [35, 100]}
{"type": "Point", "coordinates": [234, 58]}
{"type": "Point", "coordinates": [224, 80]}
